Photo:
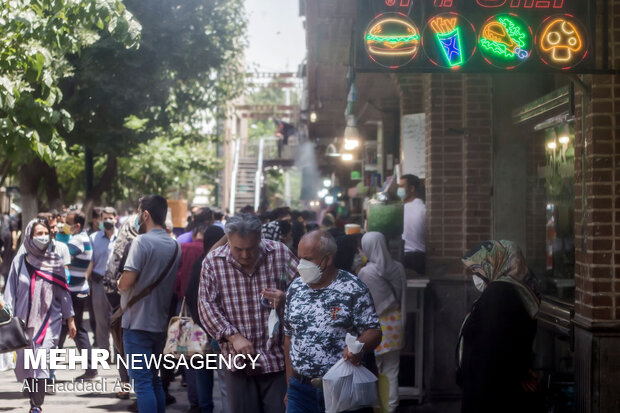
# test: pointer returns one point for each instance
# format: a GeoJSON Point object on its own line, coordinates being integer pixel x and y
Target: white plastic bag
{"type": "Point", "coordinates": [349, 387]}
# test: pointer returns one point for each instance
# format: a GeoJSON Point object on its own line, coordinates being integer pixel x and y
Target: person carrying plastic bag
{"type": "Point", "coordinates": [346, 386]}
{"type": "Point", "coordinates": [322, 306]}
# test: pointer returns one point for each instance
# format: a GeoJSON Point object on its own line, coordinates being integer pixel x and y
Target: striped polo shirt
{"type": "Point", "coordinates": [81, 254]}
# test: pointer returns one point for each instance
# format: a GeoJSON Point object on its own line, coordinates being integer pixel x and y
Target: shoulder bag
{"type": "Point", "coordinates": [185, 337]}
{"type": "Point", "coordinates": [116, 321]}
{"type": "Point", "coordinates": [13, 334]}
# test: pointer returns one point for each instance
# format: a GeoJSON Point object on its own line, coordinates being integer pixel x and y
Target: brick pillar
{"type": "Point", "coordinates": [478, 159]}
{"type": "Point", "coordinates": [597, 234]}
{"type": "Point", "coordinates": [459, 161]}
{"type": "Point", "coordinates": [411, 92]}
{"type": "Point", "coordinates": [458, 210]}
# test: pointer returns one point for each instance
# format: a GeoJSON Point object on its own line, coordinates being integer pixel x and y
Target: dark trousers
{"type": "Point", "coordinates": [115, 300]}
{"type": "Point", "coordinates": [92, 319]}
{"type": "Point", "coordinates": [34, 389]}
{"type": "Point", "coordinates": [416, 261]}
{"type": "Point", "coordinates": [262, 393]}
{"type": "Point", "coordinates": [81, 338]}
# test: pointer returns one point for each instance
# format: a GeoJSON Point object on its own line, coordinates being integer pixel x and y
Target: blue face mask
{"type": "Point", "coordinates": [401, 193]}
{"type": "Point", "coordinates": [136, 223]}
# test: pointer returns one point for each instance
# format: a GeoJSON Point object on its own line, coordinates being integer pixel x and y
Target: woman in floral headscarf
{"type": "Point", "coordinates": [37, 292]}
{"type": "Point", "coordinates": [495, 344]}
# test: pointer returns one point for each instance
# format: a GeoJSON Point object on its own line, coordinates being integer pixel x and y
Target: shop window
{"type": "Point", "coordinates": [559, 174]}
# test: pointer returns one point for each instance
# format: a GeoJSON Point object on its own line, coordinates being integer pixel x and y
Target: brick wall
{"type": "Point", "coordinates": [597, 188]}
{"type": "Point", "coordinates": [459, 160]}
{"type": "Point", "coordinates": [411, 92]}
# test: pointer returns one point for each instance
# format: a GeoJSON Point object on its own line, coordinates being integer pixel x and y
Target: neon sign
{"type": "Point", "coordinates": [560, 41]}
{"type": "Point", "coordinates": [392, 40]}
{"type": "Point", "coordinates": [475, 36]}
{"type": "Point", "coordinates": [449, 40]}
{"type": "Point", "coordinates": [392, 3]}
{"type": "Point", "coordinates": [527, 4]}
{"type": "Point", "coordinates": [505, 41]}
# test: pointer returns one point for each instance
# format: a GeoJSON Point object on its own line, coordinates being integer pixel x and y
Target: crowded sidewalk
{"type": "Point", "coordinates": [95, 402]}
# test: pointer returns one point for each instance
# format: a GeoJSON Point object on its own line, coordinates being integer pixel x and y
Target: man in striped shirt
{"type": "Point", "coordinates": [81, 251]}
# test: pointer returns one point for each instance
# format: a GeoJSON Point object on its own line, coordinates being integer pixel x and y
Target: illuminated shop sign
{"type": "Point", "coordinates": [561, 41]}
{"type": "Point", "coordinates": [505, 41]}
{"type": "Point", "coordinates": [475, 35]}
{"type": "Point", "coordinates": [449, 40]}
{"type": "Point", "coordinates": [392, 40]}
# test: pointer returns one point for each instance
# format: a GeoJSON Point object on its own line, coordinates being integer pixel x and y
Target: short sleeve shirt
{"type": "Point", "coordinates": [148, 256]}
{"type": "Point", "coordinates": [81, 254]}
{"type": "Point", "coordinates": [102, 248]}
{"type": "Point", "coordinates": [318, 321]}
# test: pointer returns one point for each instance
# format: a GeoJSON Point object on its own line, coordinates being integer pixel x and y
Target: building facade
{"type": "Point", "coordinates": [531, 157]}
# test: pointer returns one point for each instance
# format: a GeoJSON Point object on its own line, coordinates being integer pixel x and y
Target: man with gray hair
{"type": "Point", "coordinates": [240, 283]}
{"type": "Point", "coordinates": [322, 306]}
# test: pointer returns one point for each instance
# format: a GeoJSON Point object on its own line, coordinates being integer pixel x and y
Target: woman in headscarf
{"type": "Point", "coordinates": [37, 292]}
{"type": "Point", "coordinates": [387, 283]}
{"type": "Point", "coordinates": [495, 345]}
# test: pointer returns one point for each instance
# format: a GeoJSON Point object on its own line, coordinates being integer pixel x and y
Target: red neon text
{"type": "Point", "coordinates": [528, 4]}
{"type": "Point", "coordinates": [443, 3]}
{"type": "Point", "coordinates": [403, 3]}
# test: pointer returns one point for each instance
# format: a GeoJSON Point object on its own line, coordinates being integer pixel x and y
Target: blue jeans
{"type": "Point", "coordinates": [203, 382]}
{"type": "Point", "coordinates": [147, 385]}
{"type": "Point", "coordinates": [305, 398]}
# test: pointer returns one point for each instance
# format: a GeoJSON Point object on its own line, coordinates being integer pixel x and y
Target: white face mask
{"type": "Point", "coordinates": [479, 283]}
{"type": "Point", "coordinates": [41, 242]}
{"type": "Point", "coordinates": [309, 271]}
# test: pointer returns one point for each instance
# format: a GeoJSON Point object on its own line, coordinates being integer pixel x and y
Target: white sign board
{"type": "Point", "coordinates": [413, 148]}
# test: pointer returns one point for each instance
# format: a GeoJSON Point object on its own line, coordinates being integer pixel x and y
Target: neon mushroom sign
{"type": "Point", "coordinates": [561, 41]}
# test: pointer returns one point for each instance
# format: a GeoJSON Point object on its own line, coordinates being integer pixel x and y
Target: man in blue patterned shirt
{"type": "Point", "coordinates": [322, 306]}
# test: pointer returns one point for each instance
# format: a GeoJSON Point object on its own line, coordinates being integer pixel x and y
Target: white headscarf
{"type": "Point", "coordinates": [384, 277]}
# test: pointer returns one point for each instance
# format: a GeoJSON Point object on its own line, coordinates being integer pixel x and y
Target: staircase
{"type": "Point", "coordinates": [247, 159]}
{"type": "Point", "coordinates": [246, 178]}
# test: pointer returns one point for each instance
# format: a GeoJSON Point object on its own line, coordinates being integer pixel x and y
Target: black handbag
{"type": "Point", "coordinates": [13, 334]}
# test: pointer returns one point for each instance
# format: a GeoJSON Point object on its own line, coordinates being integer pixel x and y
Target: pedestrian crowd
{"type": "Point", "coordinates": [286, 286]}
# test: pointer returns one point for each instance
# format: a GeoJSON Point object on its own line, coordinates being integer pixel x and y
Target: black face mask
{"type": "Point", "coordinates": [108, 225]}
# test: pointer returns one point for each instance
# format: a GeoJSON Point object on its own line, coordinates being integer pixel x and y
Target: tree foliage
{"type": "Point", "coordinates": [35, 37]}
{"type": "Point", "coordinates": [188, 64]}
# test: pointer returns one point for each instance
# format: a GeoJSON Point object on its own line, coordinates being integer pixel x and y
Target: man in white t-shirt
{"type": "Point", "coordinates": [414, 226]}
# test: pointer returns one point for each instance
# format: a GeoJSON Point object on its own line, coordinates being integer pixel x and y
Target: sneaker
{"type": "Point", "coordinates": [133, 407]}
{"type": "Point", "coordinates": [123, 395]}
{"type": "Point", "coordinates": [88, 377]}
{"type": "Point", "coordinates": [35, 410]}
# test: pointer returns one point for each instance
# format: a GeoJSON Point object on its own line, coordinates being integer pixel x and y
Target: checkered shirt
{"type": "Point", "coordinates": [230, 301]}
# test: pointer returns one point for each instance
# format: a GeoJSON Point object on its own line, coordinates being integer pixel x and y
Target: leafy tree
{"type": "Point", "coordinates": [36, 36]}
{"type": "Point", "coordinates": [188, 64]}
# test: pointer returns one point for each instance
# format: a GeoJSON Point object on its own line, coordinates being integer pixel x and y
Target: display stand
{"type": "Point", "coordinates": [415, 314]}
